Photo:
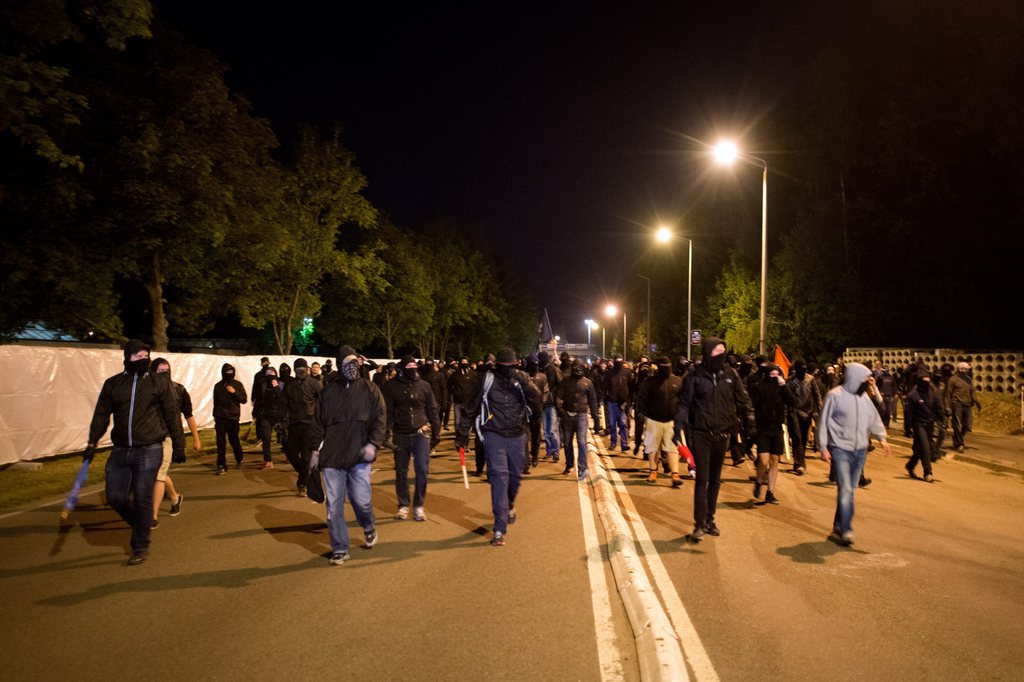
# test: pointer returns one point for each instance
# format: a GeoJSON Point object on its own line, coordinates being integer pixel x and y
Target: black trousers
{"type": "Point", "coordinates": [227, 432]}
{"type": "Point", "coordinates": [536, 425]}
{"type": "Point", "coordinates": [709, 455]}
{"type": "Point", "coordinates": [923, 447]}
{"type": "Point", "coordinates": [960, 415]}
{"type": "Point", "coordinates": [297, 452]}
{"type": "Point", "coordinates": [799, 429]}
{"type": "Point", "coordinates": [266, 432]}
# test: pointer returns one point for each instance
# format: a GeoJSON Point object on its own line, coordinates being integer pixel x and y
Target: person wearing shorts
{"type": "Point", "coordinates": [770, 397]}
{"type": "Point", "coordinates": [164, 486]}
{"type": "Point", "coordinates": [658, 399]}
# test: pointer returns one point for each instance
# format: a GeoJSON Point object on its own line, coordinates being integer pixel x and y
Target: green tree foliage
{"type": "Point", "coordinates": [734, 309]}
{"type": "Point", "coordinates": [320, 202]}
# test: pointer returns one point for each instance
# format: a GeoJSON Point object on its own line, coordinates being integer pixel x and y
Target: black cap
{"type": "Point", "coordinates": [133, 347]}
{"type": "Point", "coordinates": [300, 363]}
{"type": "Point", "coordinates": [345, 352]}
{"type": "Point", "coordinates": [506, 356]}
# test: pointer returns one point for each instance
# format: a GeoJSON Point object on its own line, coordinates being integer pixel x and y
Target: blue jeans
{"type": "Point", "coordinates": [133, 470]}
{"type": "Point", "coordinates": [617, 421]}
{"type": "Point", "coordinates": [847, 465]}
{"type": "Point", "coordinates": [418, 447]}
{"type": "Point", "coordinates": [578, 427]}
{"type": "Point", "coordinates": [505, 471]}
{"type": "Point", "coordinates": [355, 482]}
{"type": "Point", "coordinates": [551, 431]}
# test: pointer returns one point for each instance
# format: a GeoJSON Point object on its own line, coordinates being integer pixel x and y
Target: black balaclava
{"type": "Point", "coordinates": [617, 362]}
{"type": "Point", "coordinates": [155, 365]}
{"type": "Point", "coordinates": [428, 365]}
{"type": "Point", "coordinates": [532, 366]}
{"type": "Point", "coordinates": [328, 367]}
{"type": "Point", "coordinates": [924, 383]}
{"type": "Point", "coordinates": [301, 368]}
{"type": "Point", "coordinates": [410, 370]}
{"type": "Point", "coordinates": [486, 364]}
{"type": "Point", "coordinates": [746, 366]}
{"type": "Point", "coordinates": [664, 367]}
{"type": "Point", "coordinates": [717, 363]}
{"type": "Point", "coordinates": [138, 367]}
{"type": "Point", "coordinates": [464, 365]}
{"type": "Point", "coordinates": [285, 371]}
{"type": "Point", "coordinates": [800, 369]}
{"type": "Point", "coordinates": [543, 359]}
{"type": "Point", "coordinates": [505, 362]}
{"type": "Point", "coordinates": [227, 372]}
{"type": "Point", "coordinates": [577, 370]}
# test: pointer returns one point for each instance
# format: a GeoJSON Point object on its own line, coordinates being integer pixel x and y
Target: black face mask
{"type": "Point", "coordinates": [504, 370]}
{"type": "Point", "coordinates": [664, 371]}
{"type": "Point", "coordinates": [800, 372]}
{"type": "Point", "coordinates": [716, 363]}
{"type": "Point", "coordinates": [862, 388]}
{"type": "Point", "coordinates": [577, 372]}
{"type": "Point", "coordinates": [410, 373]}
{"type": "Point", "coordinates": [301, 372]}
{"type": "Point", "coordinates": [923, 386]}
{"type": "Point", "coordinates": [139, 367]}
{"type": "Point", "coordinates": [618, 364]}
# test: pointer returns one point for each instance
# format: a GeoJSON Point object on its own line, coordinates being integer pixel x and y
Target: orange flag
{"type": "Point", "coordinates": [781, 360]}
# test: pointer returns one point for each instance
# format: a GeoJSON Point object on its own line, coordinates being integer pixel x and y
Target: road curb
{"type": "Point", "coordinates": [659, 653]}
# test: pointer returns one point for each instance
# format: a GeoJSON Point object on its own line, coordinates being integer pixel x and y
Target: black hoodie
{"type": "Point", "coordinates": [228, 405]}
{"type": "Point", "coordinates": [712, 401]}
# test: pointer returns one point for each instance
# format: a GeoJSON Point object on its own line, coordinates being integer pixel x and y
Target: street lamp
{"type": "Point", "coordinates": [611, 311]}
{"type": "Point", "coordinates": [665, 235]}
{"type": "Point", "coordinates": [726, 153]}
{"type": "Point", "coordinates": [591, 325]}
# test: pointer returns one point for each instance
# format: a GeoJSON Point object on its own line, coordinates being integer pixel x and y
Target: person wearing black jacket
{"type": "Point", "coordinates": [500, 404]}
{"type": "Point", "coordinates": [574, 396]}
{"type": "Point", "coordinates": [273, 409]}
{"type": "Point", "coordinates": [228, 398]}
{"type": "Point", "coordinates": [255, 394]}
{"type": "Point", "coordinates": [413, 421]}
{"type": "Point", "coordinates": [643, 370]}
{"type": "Point", "coordinates": [145, 410]}
{"type": "Point", "coordinates": [924, 409]}
{"type": "Point", "coordinates": [658, 401]}
{"type": "Point", "coordinates": [552, 431]}
{"type": "Point", "coordinates": [802, 413]}
{"type": "Point", "coordinates": [616, 392]}
{"type": "Point", "coordinates": [301, 395]}
{"type": "Point", "coordinates": [435, 379]}
{"type": "Point", "coordinates": [712, 399]}
{"type": "Point", "coordinates": [771, 398]}
{"type": "Point", "coordinates": [164, 485]}
{"type": "Point", "coordinates": [460, 383]}
{"type": "Point", "coordinates": [536, 418]}
{"type": "Point", "coordinates": [348, 428]}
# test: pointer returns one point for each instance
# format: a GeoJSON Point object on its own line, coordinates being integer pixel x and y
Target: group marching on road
{"type": "Point", "coordinates": [331, 424]}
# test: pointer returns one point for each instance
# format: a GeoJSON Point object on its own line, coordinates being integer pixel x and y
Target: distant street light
{"type": "Point", "coordinates": [665, 235]}
{"type": "Point", "coordinates": [591, 325]}
{"type": "Point", "coordinates": [726, 153]}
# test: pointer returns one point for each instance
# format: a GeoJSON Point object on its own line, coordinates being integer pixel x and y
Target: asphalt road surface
{"type": "Point", "coordinates": [238, 585]}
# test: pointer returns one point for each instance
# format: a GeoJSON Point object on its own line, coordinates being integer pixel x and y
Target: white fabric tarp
{"type": "Point", "coordinates": [49, 393]}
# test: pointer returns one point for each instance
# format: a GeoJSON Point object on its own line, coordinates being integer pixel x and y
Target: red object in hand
{"type": "Point", "coordinates": [462, 456]}
{"type": "Point", "coordinates": [685, 453]}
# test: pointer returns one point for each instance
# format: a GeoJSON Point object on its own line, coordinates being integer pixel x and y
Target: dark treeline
{"type": "Point", "coordinates": [129, 165]}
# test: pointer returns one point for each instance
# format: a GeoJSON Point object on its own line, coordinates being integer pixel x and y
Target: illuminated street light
{"type": "Point", "coordinates": [611, 311]}
{"type": "Point", "coordinates": [665, 235]}
{"type": "Point", "coordinates": [591, 325]}
{"type": "Point", "coordinates": [727, 152]}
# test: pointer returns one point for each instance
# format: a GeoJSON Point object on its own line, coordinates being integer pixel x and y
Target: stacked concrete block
{"type": "Point", "coordinates": [995, 371]}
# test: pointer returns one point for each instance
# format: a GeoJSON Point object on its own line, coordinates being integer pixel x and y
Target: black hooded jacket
{"type": "Point", "coordinates": [508, 400]}
{"type": "Point", "coordinates": [658, 397]}
{"type": "Point", "coordinates": [713, 401]}
{"type": "Point", "coordinates": [227, 405]}
{"type": "Point", "coordinates": [349, 415]}
{"type": "Point", "coordinates": [436, 382]}
{"type": "Point", "coordinates": [301, 394]}
{"type": "Point", "coordinates": [770, 401]}
{"type": "Point", "coordinates": [411, 405]}
{"type": "Point", "coordinates": [145, 411]}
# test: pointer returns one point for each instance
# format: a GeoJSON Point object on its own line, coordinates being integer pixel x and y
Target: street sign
{"type": "Point", "coordinates": [695, 337]}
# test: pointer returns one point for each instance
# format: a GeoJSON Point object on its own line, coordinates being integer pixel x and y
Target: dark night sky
{"type": "Point", "coordinates": [560, 133]}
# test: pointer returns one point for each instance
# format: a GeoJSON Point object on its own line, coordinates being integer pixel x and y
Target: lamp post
{"type": "Point", "coordinates": [664, 235]}
{"type": "Point", "coordinates": [648, 335]}
{"type": "Point", "coordinates": [726, 153]}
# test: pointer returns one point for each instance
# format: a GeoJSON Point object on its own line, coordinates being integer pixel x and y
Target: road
{"type": "Point", "coordinates": [238, 586]}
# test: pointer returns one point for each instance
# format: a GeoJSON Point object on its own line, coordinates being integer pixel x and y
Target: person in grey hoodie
{"type": "Point", "coordinates": [848, 419]}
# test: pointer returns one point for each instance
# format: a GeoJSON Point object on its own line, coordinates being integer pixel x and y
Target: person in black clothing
{"type": "Point", "coordinates": [802, 413]}
{"type": "Point", "coordinates": [164, 485]}
{"type": "Point", "coordinates": [771, 398]}
{"type": "Point", "coordinates": [459, 384]}
{"type": "Point", "coordinates": [499, 404]}
{"type": "Point", "coordinates": [255, 394]}
{"type": "Point", "coordinates": [552, 431]}
{"type": "Point", "coordinates": [712, 398]}
{"type": "Point", "coordinates": [574, 396]}
{"type": "Point", "coordinates": [435, 379]}
{"type": "Point", "coordinates": [924, 410]}
{"type": "Point", "coordinates": [145, 410]}
{"type": "Point", "coordinates": [658, 401]}
{"type": "Point", "coordinates": [446, 407]}
{"type": "Point", "coordinates": [643, 370]}
{"type": "Point", "coordinates": [228, 397]}
{"type": "Point", "coordinates": [329, 372]}
{"type": "Point", "coordinates": [301, 395]}
{"type": "Point", "coordinates": [536, 418]}
{"type": "Point", "coordinates": [597, 378]}
{"type": "Point", "coordinates": [616, 391]}
{"type": "Point", "coordinates": [273, 409]}
{"type": "Point", "coordinates": [413, 421]}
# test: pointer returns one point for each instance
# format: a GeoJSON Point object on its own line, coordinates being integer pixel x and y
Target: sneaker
{"type": "Point", "coordinates": [757, 490]}
{"type": "Point", "coordinates": [846, 540]}
{"type": "Point", "coordinates": [498, 540]}
{"type": "Point", "coordinates": [300, 491]}
{"type": "Point", "coordinates": [418, 514]}
{"type": "Point", "coordinates": [677, 481]}
{"type": "Point", "coordinates": [835, 536]}
{"type": "Point", "coordinates": [268, 465]}
{"type": "Point", "coordinates": [769, 498]}
{"type": "Point", "coordinates": [511, 516]}
{"type": "Point", "coordinates": [625, 448]}
{"type": "Point", "coordinates": [566, 471]}
{"type": "Point", "coordinates": [697, 535]}
{"type": "Point", "coordinates": [370, 539]}
{"type": "Point", "coordinates": [137, 558]}
{"type": "Point", "coordinates": [928, 478]}
{"type": "Point", "coordinates": [403, 513]}
{"type": "Point", "coordinates": [799, 471]}
{"type": "Point", "coordinates": [653, 476]}
{"type": "Point", "coordinates": [864, 482]}
{"type": "Point", "coordinates": [584, 475]}
{"type": "Point", "coordinates": [222, 471]}
{"type": "Point", "coordinates": [526, 470]}
{"type": "Point", "coordinates": [910, 472]}
{"type": "Point", "coordinates": [960, 449]}
{"type": "Point", "coordinates": [238, 464]}
{"type": "Point", "coordinates": [338, 558]}
{"type": "Point", "coordinates": [176, 507]}
{"type": "Point", "coordinates": [636, 449]}
{"type": "Point", "coordinates": [712, 530]}
{"type": "Point", "coordinates": [155, 524]}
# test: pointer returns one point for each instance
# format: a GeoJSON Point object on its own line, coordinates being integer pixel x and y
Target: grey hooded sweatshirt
{"type": "Point", "coordinates": [847, 419]}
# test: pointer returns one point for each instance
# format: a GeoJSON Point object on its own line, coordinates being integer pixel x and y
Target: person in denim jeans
{"type": "Point", "coordinates": [551, 426]}
{"type": "Point", "coordinates": [145, 410]}
{"type": "Point", "coordinates": [348, 427]}
{"type": "Point", "coordinates": [848, 418]}
{"type": "Point", "coordinates": [574, 396]}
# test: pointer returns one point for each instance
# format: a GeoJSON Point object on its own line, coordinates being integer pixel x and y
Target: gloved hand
{"type": "Point", "coordinates": [368, 453]}
{"type": "Point", "coordinates": [314, 459]}
{"type": "Point", "coordinates": [461, 443]}
{"type": "Point", "coordinates": [178, 455]}
{"type": "Point", "coordinates": [751, 433]}
{"type": "Point", "coordinates": [89, 453]}
{"type": "Point", "coordinates": [434, 441]}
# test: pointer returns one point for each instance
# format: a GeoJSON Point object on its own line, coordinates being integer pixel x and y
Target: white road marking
{"type": "Point", "coordinates": [693, 648]}
{"type": "Point", "coordinates": [604, 628]}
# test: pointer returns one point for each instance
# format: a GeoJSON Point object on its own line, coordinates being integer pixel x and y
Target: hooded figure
{"type": "Point", "coordinates": [848, 419]}
{"type": "Point", "coordinates": [228, 398]}
{"type": "Point", "coordinates": [924, 409]}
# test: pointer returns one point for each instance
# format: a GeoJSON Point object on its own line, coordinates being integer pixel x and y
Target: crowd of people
{"type": "Point", "coordinates": [331, 423]}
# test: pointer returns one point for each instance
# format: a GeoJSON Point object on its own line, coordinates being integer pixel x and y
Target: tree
{"type": "Point", "coordinates": [320, 201]}
{"type": "Point", "coordinates": [734, 308]}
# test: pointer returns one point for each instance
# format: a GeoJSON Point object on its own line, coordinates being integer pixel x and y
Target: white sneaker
{"type": "Point", "coordinates": [403, 513]}
{"type": "Point", "coordinates": [418, 514]}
